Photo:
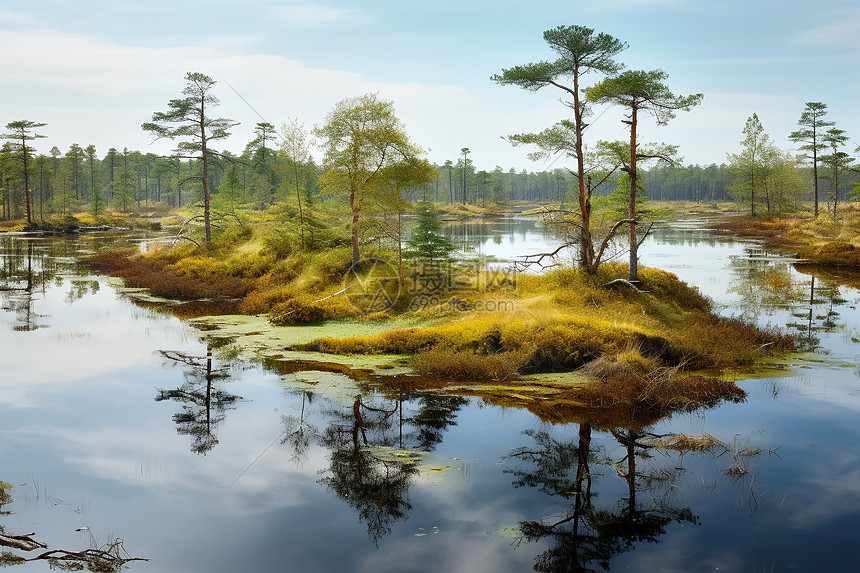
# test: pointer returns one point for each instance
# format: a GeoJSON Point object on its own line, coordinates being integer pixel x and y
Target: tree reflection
{"type": "Point", "coordinates": [24, 273]}
{"type": "Point", "coordinates": [375, 446]}
{"type": "Point", "coordinates": [587, 537]}
{"type": "Point", "coordinates": [204, 403]}
{"type": "Point", "coordinates": [766, 284]}
{"type": "Point", "coordinates": [375, 442]}
{"type": "Point", "coordinates": [374, 485]}
{"type": "Point", "coordinates": [298, 432]}
{"type": "Point", "coordinates": [763, 284]}
{"type": "Point", "coordinates": [436, 413]}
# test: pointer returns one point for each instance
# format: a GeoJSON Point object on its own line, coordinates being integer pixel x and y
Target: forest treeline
{"type": "Point", "coordinates": [78, 179]}
{"type": "Point", "coordinates": [367, 153]}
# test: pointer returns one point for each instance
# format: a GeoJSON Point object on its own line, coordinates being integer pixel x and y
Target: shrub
{"type": "Point", "coordinates": [834, 253]}
{"type": "Point", "coordinates": [632, 379]}
{"type": "Point", "coordinates": [445, 363]}
{"type": "Point", "coordinates": [296, 311]}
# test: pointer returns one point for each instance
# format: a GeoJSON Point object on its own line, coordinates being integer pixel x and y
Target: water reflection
{"type": "Point", "coordinates": [299, 433]}
{"type": "Point", "coordinates": [586, 493]}
{"type": "Point", "coordinates": [376, 486]}
{"type": "Point", "coordinates": [587, 536]}
{"type": "Point", "coordinates": [374, 449]}
{"type": "Point", "coordinates": [24, 273]}
{"type": "Point", "coordinates": [374, 444]}
{"type": "Point", "coordinates": [772, 286]}
{"type": "Point", "coordinates": [204, 401]}
{"type": "Point", "coordinates": [109, 557]}
{"type": "Point", "coordinates": [503, 238]}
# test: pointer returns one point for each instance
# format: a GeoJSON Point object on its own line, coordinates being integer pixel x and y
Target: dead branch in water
{"type": "Point", "coordinates": [23, 542]}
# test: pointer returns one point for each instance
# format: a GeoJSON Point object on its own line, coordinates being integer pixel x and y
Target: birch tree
{"type": "Point", "coordinates": [364, 143]}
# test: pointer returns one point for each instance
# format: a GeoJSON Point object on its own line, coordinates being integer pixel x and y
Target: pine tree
{"type": "Point", "coordinates": [427, 243]}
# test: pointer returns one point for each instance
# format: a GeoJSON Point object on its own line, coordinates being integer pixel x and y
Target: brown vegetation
{"type": "Point", "coordinates": [169, 275]}
{"type": "Point", "coordinates": [643, 383]}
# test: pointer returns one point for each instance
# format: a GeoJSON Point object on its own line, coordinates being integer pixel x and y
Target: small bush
{"type": "Point", "coordinates": [834, 253]}
{"type": "Point", "coordinates": [445, 363]}
{"type": "Point", "coordinates": [295, 311]}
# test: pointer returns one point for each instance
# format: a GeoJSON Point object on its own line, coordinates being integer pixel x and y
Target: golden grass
{"type": "Point", "coordinates": [629, 377]}
{"type": "Point", "coordinates": [691, 443]}
{"type": "Point", "coordinates": [833, 253]}
{"type": "Point", "coordinates": [167, 277]}
{"type": "Point", "coordinates": [470, 366]}
{"type": "Point", "coordinates": [566, 319]}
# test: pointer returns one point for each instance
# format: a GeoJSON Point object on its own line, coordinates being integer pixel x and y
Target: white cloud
{"type": "Point", "coordinates": [316, 16]}
{"type": "Point", "coordinates": [93, 91]}
{"type": "Point", "coordinates": [842, 30]}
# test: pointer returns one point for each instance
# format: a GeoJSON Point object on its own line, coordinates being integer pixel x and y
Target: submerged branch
{"type": "Point", "coordinates": [23, 542]}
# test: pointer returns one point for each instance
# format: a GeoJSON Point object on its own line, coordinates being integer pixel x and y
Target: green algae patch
{"type": "Point", "coordinates": [339, 388]}
{"type": "Point", "coordinates": [389, 454]}
{"type": "Point", "coordinates": [256, 336]}
{"type": "Point", "coordinates": [543, 393]}
{"type": "Point", "coordinates": [261, 334]}
{"type": "Point", "coordinates": [784, 365]}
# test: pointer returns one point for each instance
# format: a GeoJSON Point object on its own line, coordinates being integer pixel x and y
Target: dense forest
{"type": "Point", "coordinates": [78, 180]}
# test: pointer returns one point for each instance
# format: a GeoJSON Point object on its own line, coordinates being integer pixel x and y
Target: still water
{"type": "Point", "coordinates": [122, 428]}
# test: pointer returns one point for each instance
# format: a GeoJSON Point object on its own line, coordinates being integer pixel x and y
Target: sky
{"type": "Point", "coordinates": [95, 70]}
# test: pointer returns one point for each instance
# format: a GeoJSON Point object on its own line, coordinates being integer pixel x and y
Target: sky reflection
{"type": "Point", "coordinates": [85, 442]}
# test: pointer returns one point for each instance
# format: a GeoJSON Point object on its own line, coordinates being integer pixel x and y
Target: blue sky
{"type": "Point", "coordinates": [94, 70]}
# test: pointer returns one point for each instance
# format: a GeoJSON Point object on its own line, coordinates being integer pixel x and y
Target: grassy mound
{"type": "Point", "coordinates": [566, 319]}
{"type": "Point", "coordinates": [249, 271]}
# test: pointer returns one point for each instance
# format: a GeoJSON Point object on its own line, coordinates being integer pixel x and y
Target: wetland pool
{"type": "Point", "coordinates": [125, 429]}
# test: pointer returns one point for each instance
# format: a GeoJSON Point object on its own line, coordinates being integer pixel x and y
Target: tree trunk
{"type": "Point", "coordinates": [355, 215]}
{"type": "Point", "coordinates": [633, 272]}
{"type": "Point", "coordinates": [26, 181]}
{"type": "Point", "coordinates": [586, 244]}
{"type": "Point", "coordinates": [206, 197]}
{"type": "Point", "coordinates": [815, 171]}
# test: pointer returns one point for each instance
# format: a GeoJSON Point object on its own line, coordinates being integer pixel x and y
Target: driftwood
{"type": "Point", "coordinates": [111, 558]}
{"type": "Point", "coordinates": [86, 556]}
{"type": "Point", "coordinates": [22, 542]}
